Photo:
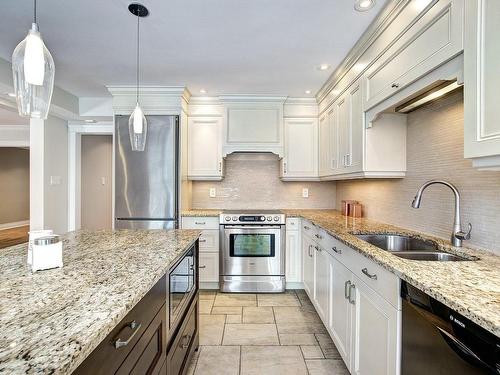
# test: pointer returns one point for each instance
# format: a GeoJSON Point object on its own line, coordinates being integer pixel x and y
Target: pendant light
{"type": "Point", "coordinates": [33, 71]}
{"type": "Point", "coordinates": [137, 124]}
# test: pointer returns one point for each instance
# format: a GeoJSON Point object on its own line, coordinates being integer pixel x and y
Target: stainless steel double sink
{"type": "Point", "coordinates": [410, 247]}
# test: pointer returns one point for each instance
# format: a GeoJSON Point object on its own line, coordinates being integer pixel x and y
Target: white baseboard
{"type": "Point", "coordinates": [15, 224]}
{"type": "Point", "coordinates": [294, 285]}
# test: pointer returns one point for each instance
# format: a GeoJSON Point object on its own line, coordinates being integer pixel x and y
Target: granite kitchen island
{"type": "Point", "coordinates": [53, 320]}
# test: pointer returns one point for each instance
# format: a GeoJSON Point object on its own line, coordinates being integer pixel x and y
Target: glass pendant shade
{"type": "Point", "coordinates": [33, 71]}
{"type": "Point", "coordinates": [138, 129]}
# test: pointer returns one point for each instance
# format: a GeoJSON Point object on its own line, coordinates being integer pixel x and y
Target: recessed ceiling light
{"type": "Point", "coordinates": [203, 91]}
{"type": "Point", "coordinates": [364, 5]}
{"type": "Point", "coordinates": [11, 94]}
{"type": "Point", "coordinates": [307, 92]}
{"type": "Point", "coordinates": [324, 67]}
{"type": "Point", "coordinates": [90, 121]}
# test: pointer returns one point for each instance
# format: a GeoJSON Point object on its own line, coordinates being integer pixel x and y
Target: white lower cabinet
{"type": "Point", "coordinates": [209, 267]}
{"type": "Point", "coordinates": [364, 325]}
{"type": "Point", "coordinates": [293, 256]}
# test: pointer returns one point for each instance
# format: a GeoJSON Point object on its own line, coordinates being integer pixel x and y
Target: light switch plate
{"type": "Point", "coordinates": [305, 193]}
{"type": "Point", "coordinates": [212, 193]}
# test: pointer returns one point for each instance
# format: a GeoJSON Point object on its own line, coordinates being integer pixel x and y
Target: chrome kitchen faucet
{"type": "Point", "coordinates": [457, 236]}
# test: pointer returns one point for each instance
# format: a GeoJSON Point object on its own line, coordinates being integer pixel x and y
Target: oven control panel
{"type": "Point", "coordinates": [274, 218]}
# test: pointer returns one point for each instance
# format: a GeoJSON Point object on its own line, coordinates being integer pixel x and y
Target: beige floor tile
{"type": "Point", "coordinates": [230, 310]}
{"type": "Point", "coordinates": [272, 360]}
{"type": "Point", "coordinates": [285, 299]}
{"type": "Point", "coordinates": [232, 319]}
{"type": "Point", "coordinates": [250, 334]}
{"type": "Point", "coordinates": [205, 306]}
{"type": "Point", "coordinates": [218, 360]}
{"type": "Point", "coordinates": [311, 352]}
{"type": "Point", "coordinates": [301, 328]}
{"type": "Point", "coordinates": [327, 346]}
{"type": "Point", "coordinates": [211, 329]}
{"type": "Point", "coordinates": [207, 295]}
{"type": "Point", "coordinates": [252, 314]}
{"type": "Point", "coordinates": [293, 315]}
{"type": "Point", "coordinates": [326, 367]}
{"type": "Point", "coordinates": [297, 339]}
{"type": "Point", "coordinates": [228, 299]}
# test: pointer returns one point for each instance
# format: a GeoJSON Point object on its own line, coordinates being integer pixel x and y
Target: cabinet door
{"type": "Point", "coordinates": [481, 63]}
{"type": "Point", "coordinates": [339, 323]}
{"type": "Point", "coordinates": [209, 267]}
{"type": "Point", "coordinates": [308, 266]}
{"type": "Point", "coordinates": [375, 329]}
{"type": "Point", "coordinates": [204, 148]}
{"type": "Point", "coordinates": [353, 133]}
{"type": "Point", "coordinates": [293, 257]}
{"type": "Point", "coordinates": [322, 281]}
{"type": "Point", "coordinates": [324, 146]}
{"type": "Point", "coordinates": [301, 148]}
{"type": "Point", "coordinates": [339, 134]}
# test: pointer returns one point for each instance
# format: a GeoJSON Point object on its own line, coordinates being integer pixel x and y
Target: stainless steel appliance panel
{"type": "Point", "coordinates": [146, 182]}
{"type": "Point", "coordinates": [258, 252]}
{"type": "Point", "coordinates": [145, 224]}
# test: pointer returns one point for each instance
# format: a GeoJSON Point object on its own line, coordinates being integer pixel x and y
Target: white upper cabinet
{"type": "Point", "coordinates": [300, 159]}
{"type": "Point", "coordinates": [482, 82]}
{"type": "Point", "coordinates": [205, 148]}
{"type": "Point", "coordinates": [435, 37]}
{"type": "Point", "coordinates": [324, 145]}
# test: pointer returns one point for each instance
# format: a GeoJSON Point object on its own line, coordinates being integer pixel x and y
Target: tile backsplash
{"type": "Point", "coordinates": [252, 182]}
{"type": "Point", "coordinates": [435, 151]}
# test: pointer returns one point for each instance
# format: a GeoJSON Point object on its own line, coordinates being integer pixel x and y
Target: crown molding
{"type": "Point", "coordinates": [252, 99]}
{"type": "Point", "coordinates": [374, 30]}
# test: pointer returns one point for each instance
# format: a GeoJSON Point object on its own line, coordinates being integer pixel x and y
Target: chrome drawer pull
{"type": "Point", "coordinates": [347, 286]}
{"type": "Point", "coordinates": [186, 339]}
{"type": "Point", "coordinates": [338, 251]}
{"type": "Point", "coordinates": [135, 326]}
{"type": "Point", "coordinates": [202, 241]}
{"type": "Point", "coordinates": [200, 222]}
{"type": "Point", "coordinates": [318, 236]}
{"type": "Point", "coordinates": [202, 267]}
{"type": "Point", "coordinates": [306, 227]}
{"type": "Point", "coordinates": [370, 275]}
{"type": "Point", "coordinates": [318, 248]}
{"type": "Point", "coordinates": [351, 301]}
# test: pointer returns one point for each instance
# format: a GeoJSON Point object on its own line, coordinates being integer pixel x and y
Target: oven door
{"type": "Point", "coordinates": [250, 250]}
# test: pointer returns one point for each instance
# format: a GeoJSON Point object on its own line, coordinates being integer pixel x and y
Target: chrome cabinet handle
{"type": "Point", "coordinates": [200, 222]}
{"type": "Point", "coordinates": [220, 166]}
{"type": "Point", "coordinates": [318, 236]}
{"type": "Point", "coordinates": [318, 248]}
{"type": "Point", "coordinates": [284, 167]}
{"type": "Point", "coordinates": [351, 300]}
{"type": "Point", "coordinates": [338, 251]}
{"type": "Point", "coordinates": [202, 267]}
{"type": "Point", "coordinates": [306, 227]}
{"type": "Point", "coordinates": [395, 85]}
{"type": "Point", "coordinates": [348, 160]}
{"type": "Point", "coordinates": [347, 288]}
{"type": "Point", "coordinates": [135, 328]}
{"type": "Point", "coordinates": [370, 275]}
{"type": "Point", "coordinates": [202, 241]}
{"type": "Point", "coordinates": [186, 339]}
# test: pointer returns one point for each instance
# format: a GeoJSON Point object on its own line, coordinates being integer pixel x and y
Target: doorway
{"type": "Point", "coordinates": [96, 181]}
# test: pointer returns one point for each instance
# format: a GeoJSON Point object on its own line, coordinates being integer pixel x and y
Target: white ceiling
{"type": "Point", "coordinates": [225, 46]}
{"type": "Point", "coordinates": [9, 116]}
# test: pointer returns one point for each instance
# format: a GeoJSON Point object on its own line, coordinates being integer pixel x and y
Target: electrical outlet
{"type": "Point", "coordinates": [103, 180]}
{"type": "Point", "coordinates": [212, 193]}
{"type": "Point", "coordinates": [55, 180]}
{"type": "Point", "coordinates": [305, 193]}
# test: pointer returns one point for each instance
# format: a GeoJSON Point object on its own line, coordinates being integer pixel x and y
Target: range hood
{"type": "Point", "coordinates": [440, 89]}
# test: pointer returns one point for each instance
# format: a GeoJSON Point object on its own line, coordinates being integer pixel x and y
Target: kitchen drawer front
{"type": "Point", "coordinates": [209, 241]}
{"type": "Point", "coordinates": [150, 352]}
{"type": "Point", "coordinates": [200, 222]}
{"type": "Point", "coordinates": [209, 267]}
{"type": "Point", "coordinates": [321, 237]}
{"type": "Point", "coordinates": [106, 359]}
{"type": "Point", "coordinates": [309, 229]}
{"type": "Point", "coordinates": [293, 223]}
{"type": "Point", "coordinates": [431, 41]}
{"type": "Point", "coordinates": [178, 352]}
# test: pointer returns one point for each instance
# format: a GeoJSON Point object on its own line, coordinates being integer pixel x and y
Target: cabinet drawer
{"type": "Point", "coordinates": [209, 241]}
{"type": "Point", "coordinates": [106, 358]}
{"type": "Point", "coordinates": [293, 223]}
{"type": "Point", "coordinates": [432, 40]}
{"type": "Point", "coordinates": [200, 223]}
{"type": "Point", "coordinates": [149, 353]}
{"type": "Point", "coordinates": [177, 357]}
{"type": "Point", "coordinates": [209, 267]}
{"type": "Point", "coordinates": [309, 229]}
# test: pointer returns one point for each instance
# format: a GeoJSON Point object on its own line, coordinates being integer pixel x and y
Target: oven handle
{"type": "Point", "coordinates": [252, 227]}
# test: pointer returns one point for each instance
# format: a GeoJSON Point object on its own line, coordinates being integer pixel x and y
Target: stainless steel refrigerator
{"type": "Point", "coordinates": [147, 182]}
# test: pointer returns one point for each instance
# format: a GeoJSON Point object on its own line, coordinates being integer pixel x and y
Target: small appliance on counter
{"type": "Point", "coordinates": [252, 251]}
{"type": "Point", "coordinates": [46, 253]}
{"type": "Point", "coordinates": [352, 208]}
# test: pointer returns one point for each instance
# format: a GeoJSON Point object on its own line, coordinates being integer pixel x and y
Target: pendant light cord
{"type": "Point", "coordinates": [137, 62]}
{"type": "Point", "coordinates": [34, 11]}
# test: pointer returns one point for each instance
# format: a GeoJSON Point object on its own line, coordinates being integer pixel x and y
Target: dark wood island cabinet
{"type": "Point", "coordinates": [160, 333]}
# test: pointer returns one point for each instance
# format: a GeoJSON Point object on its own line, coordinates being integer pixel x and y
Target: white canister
{"type": "Point", "coordinates": [47, 253]}
{"type": "Point", "coordinates": [32, 236]}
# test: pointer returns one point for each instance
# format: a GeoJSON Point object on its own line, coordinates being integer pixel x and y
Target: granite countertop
{"type": "Point", "coordinates": [201, 213]}
{"type": "Point", "coordinates": [470, 287]}
{"type": "Point", "coordinates": [52, 320]}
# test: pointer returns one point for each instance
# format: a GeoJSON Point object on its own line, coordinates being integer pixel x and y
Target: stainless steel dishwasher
{"type": "Point", "coordinates": [439, 341]}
